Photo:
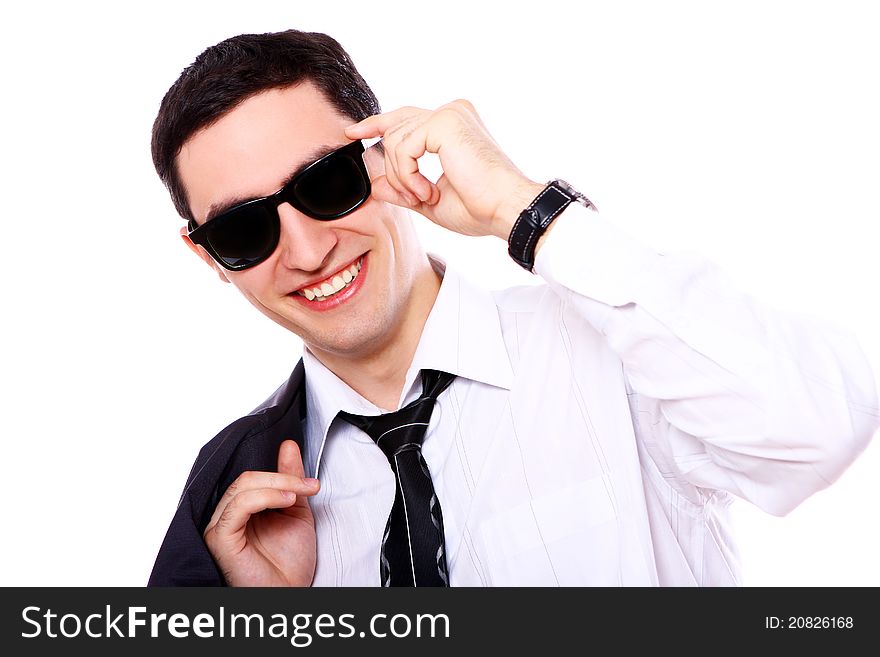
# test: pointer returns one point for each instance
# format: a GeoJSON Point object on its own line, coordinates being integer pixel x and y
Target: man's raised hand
{"type": "Point", "coordinates": [481, 192]}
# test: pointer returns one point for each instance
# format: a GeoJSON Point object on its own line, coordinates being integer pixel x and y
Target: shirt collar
{"type": "Point", "coordinates": [463, 333]}
{"type": "Point", "coordinates": [326, 395]}
{"type": "Point", "coordinates": [462, 336]}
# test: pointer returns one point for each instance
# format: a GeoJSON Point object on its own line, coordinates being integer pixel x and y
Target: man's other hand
{"type": "Point", "coordinates": [262, 532]}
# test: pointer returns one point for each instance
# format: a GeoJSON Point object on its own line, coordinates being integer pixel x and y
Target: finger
{"type": "Point", "coordinates": [254, 480]}
{"type": "Point", "coordinates": [369, 127]}
{"type": "Point", "coordinates": [394, 157]}
{"type": "Point", "coordinates": [406, 156]}
{"type": "Point", "coordinates": [378, 124]}
{"type": "Point", "coordinates": [409, 199]}
{"type": "Point", "coordinates": [393, 126]}
{"type": "Point", "coordinates": [236, 514]}
{"type": "Point", "coordinates": [383, 191]}
{"type": "Point", "coordinates": [429, 208]}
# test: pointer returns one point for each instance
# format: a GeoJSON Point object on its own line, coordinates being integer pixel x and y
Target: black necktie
{"type": "Point", "coordinates": [413, 549]}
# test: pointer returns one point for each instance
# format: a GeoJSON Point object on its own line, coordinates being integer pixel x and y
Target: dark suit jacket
{"type": "Point", "coordinates": [250, 443]}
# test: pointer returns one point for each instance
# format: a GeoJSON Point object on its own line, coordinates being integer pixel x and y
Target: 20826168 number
{"type": "Point", "coordinates": [819, 622]}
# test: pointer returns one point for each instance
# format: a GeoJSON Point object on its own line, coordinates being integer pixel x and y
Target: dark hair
{"type": "Point", "coordinates": [232, 71]}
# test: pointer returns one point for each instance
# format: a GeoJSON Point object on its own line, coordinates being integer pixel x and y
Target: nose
{"type": "Point", "coordinates": [305, 243]}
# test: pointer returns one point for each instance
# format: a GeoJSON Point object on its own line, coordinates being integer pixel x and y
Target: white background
{"type": "Point", "coordinates": [746, 131]}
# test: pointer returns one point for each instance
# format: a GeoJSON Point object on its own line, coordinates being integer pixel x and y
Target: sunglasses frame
{"type": "Point", "coordinates": [354, 151]}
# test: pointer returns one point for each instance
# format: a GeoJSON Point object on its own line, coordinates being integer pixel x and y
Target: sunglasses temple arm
{"type": "Point", "coordinates": [370, 142]}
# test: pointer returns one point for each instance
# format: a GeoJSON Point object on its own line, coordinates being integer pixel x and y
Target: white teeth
{"type": "Point", "coordinates": [331, 287]}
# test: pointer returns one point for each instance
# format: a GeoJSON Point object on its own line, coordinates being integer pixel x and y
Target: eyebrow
{"type": "Point", "coordinates": [216, 209]}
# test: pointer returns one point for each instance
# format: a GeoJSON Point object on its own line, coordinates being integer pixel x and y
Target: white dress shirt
{"type": "Point", "coordinates": [599, 422]}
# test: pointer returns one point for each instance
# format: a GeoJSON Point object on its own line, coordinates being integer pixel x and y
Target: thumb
{"type": "Point", "coordinates": [290, 459]}
{"type": "Point", "coordinates": [383, 191]}
{"type": "Point", "coordinates": [290, 462]}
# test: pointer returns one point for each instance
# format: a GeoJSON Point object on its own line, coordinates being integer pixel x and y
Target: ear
{"type": "Point", "coordinates": [204, 255]}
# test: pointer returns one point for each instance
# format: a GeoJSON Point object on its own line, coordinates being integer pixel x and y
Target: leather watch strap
{"type": "Point", "coordinates": [534, 220]}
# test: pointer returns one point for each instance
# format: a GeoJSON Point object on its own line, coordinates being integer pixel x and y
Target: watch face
{"type": "Point", "coordinates": [572, 192]}
{"type": "Point", "coordinates": [565, 187]}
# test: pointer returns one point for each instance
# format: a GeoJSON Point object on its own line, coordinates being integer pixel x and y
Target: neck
{"type": "Point", "coordinates": [378, 375]}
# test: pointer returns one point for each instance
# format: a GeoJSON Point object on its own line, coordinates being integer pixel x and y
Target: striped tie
{"type": "Point", "coordinates": [413, 551]}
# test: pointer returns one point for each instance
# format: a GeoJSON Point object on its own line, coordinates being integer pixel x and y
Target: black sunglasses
{"type": "Point", "coordinates": [329, 188]}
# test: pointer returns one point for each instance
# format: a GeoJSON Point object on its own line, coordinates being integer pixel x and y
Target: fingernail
{"type": "Point", "coordinates": [288, 495]}
{"type": "Point", "coordinates": [311, 481]}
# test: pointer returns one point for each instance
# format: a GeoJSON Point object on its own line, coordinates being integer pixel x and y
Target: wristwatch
{"type": "Point", "coordinates": [534, 220]}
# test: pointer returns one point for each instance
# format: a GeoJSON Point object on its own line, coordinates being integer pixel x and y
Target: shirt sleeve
{"type": "Point", "coordinates": [767, 405]}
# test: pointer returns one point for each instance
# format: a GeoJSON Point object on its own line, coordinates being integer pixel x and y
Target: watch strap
{"type": "Point", "coordinates": [534, 220]}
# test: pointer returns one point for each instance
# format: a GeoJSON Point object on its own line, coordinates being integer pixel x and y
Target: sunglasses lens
{"type": "Point", "coordinates": [332, 187]}
{"type": "Point", "coordinates": [244, 237]}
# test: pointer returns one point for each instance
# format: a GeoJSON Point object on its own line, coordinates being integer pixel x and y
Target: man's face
{"type": "Point", "coordinates": [249, 153]}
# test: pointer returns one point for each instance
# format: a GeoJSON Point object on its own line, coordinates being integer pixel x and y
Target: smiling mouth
{"type": "Point", "coordinates": [334, 284]}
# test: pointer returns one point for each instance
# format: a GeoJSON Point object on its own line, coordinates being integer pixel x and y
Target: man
{"type": "Point", "coordinates": [590, 430]}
